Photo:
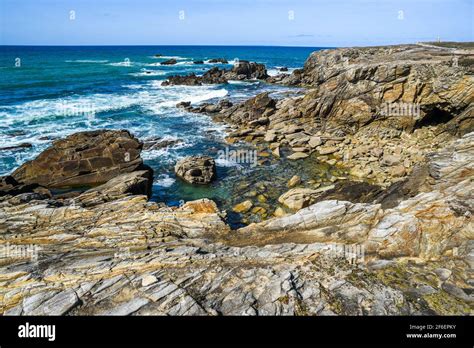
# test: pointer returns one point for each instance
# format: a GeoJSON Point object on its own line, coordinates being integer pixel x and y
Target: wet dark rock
{"type": "Point", "coordinates": [250, 70]}
{"type": "Point", "coordinates": [188, 80]}
{"type": "Point", "coordinates": [183, 105]}
{"type": "Point", "coordinates": [16, 147]}
{"type": "Point", "coordinates": [355, 192]}
{"type": "Point", "coordinates": [406, 188]}
{"type": "Point", "coordinates": [218, 60]}
{"type": "Point", "coordinates": [10, 186]}
{"type": "Point", "coordinates": [169, 62]}
{"type": "Point", "coordinates": [243, 70]}
{"type": "Point", "coordinates": [16, 133]}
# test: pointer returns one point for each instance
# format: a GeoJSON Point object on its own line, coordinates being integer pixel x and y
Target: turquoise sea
{"type": "Point", "coordinates": [51, 92]}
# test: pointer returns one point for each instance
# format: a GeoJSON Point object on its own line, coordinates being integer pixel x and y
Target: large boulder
{"type": "Point", "coordinates": [84, 159]}
{"type": "Point", "coordinates": [196, 169]}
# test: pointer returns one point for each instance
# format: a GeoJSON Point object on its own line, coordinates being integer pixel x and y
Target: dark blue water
{"type": "Point", "coordinates": [51, 92]}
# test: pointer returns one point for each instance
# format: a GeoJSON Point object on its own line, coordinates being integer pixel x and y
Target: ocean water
{"type": "Point", "coordinates": [50, 92]}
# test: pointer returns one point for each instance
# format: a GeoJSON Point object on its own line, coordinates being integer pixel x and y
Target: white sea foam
{"type": "Point", "coordinates": [145, 72]}
{"type": "Point", "coordinates": [164, 180]}
{"type": "Point", "coordinates": [127, 64]}
{"type": "Point", "coordinates": [136, 86]}
{"type": "Point", "coordinates": [65, 107]}
{"type": "Point", "coordinates": [184, 63]}
{"type": "Point", "coordinates": [246, 82]}
{"type": "Point", "coordinates": [222, 162]}
{"type": "Point", "coordinates": [153, 154]}
{"type": "Point", "coordinates": [154, 99]}
{"type": "Point", "coordinates": [87, 61]}
{"type": "Point", "coordinates": [276, 71]}
{"type": "Point", "coordinates": [171, 57]}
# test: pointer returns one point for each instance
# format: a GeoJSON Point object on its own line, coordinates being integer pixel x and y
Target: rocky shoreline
{"type": "Point", "coordinates": [398, 120]}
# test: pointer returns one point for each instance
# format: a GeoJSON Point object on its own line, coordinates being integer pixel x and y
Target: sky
{"type": "Point", "coordinates": [315, 23]}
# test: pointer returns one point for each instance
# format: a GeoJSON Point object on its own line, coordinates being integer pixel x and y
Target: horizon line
{"type": "Point", "coordinates": [163, 45]}
{"type": "Point", "coordinates": [221, 45]}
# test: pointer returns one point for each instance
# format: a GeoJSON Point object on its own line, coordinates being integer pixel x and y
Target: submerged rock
{"type": "Point", "coordinates": [196, 169]}
{"type": "Point", "coordinates": [294, 181]}
{"type": "Point", "coordinates": [243, 207]}
{"type": "Point", "coordinates": [298, 198]}
{"type": "Point", "coordinates": [297, 156]}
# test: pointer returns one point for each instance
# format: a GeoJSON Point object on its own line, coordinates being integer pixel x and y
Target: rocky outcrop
{"type": "Point", "coordinates": [376, 111]}
{"type": "Point", "coordinates": [400, 87]}
{"type": "Point", "coordinates": [253, 112]}
{"type": "Point", "coordinates": [84, 159]}
{"type": "Point", "coordinates": [243, 70]}
{"type": "Point", "coordinates": [249, 70]}
{"type": "Point", "coordinates": [196, 169]}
